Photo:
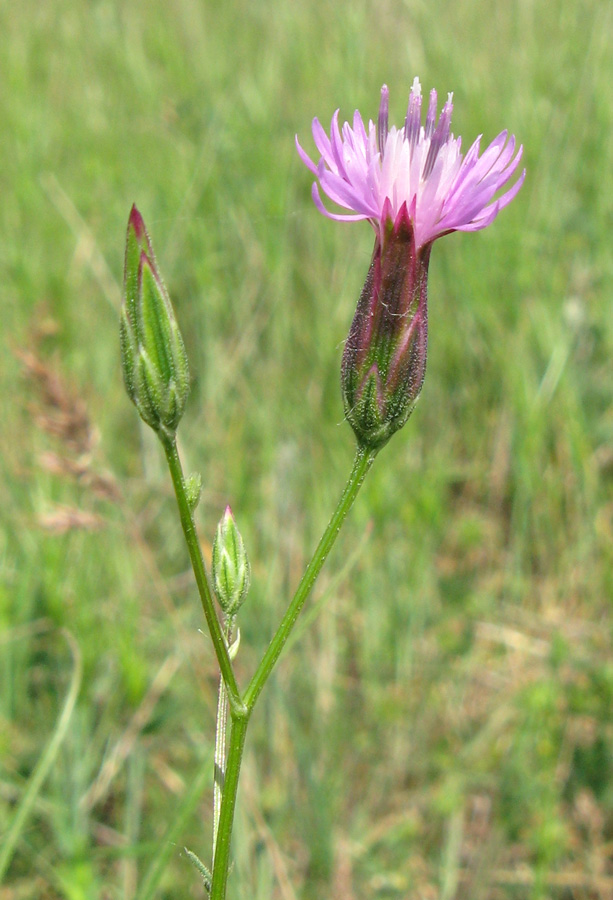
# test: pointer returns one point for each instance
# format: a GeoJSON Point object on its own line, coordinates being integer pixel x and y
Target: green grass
{"type": "Point", "coordinates": [442, 730]}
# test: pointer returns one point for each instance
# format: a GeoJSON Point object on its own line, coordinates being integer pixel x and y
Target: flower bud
{"type": "Point", "coordinates": [384, 362]}
{"type": "Point", "coordinates": [154, 362]}
{"type": "Point", "coordinates": [231, 570]}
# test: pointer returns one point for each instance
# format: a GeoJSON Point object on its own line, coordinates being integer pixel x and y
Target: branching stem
{"type": "Point", "coordinates": [241, 707]}
{"type": "Point", "coordinates": [195, 553]}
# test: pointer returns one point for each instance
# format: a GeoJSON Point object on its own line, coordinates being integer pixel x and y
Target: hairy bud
{"type": "Point", "coordinates": [231, 570]}
{"type": "Point", "coordinates": [153, 357]}
{"type": "Point", "coordinates": [384, 362]}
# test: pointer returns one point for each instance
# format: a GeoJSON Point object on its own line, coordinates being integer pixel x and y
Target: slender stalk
{"type": "Point", "coordinates": [240, 719]}
{"type": "Point", "coordinates": [195, 553]}
{"type": "Point", "coordinates": [220, 737]}
{"type": "Point", "coordinates": [220, 757]}
{"type": "Point", "coordinates": [221, 862]}
{"type": "Point", "coordinates": [363, 460]}
{"type": "Point", "coordinates": [240, 710]}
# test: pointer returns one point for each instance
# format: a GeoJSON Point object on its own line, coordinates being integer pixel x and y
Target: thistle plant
{"type": "Point", "coordinates": [413, 185]}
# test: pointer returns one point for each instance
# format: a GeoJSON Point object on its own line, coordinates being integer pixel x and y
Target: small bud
{"type": "Point", "coordinates": [231, 571]}
{"type": "Point", "coordinates": [384, 362]}
{"type": "Point", "coordinates": [153, 357]}
{"type": "Point", "coordinates": [193, 486]}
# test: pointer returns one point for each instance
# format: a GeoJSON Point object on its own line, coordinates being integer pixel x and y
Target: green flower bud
{"type": "Point", "coordinates": [154, 362]}
{"type": "Point", "coordinates": [231, 570]}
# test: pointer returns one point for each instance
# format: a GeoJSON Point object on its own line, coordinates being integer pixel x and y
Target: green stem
{"type": "Point", "coordinates": [220, 737]}
{"type": "Point", "coordinates": [240, 719]}
{"type": "Point", "coordinates": [195, 553]}
{"type": "Point", "coordinates": [220, 757]}
{"type": "Point", "coordinates": [362, 463]}
{"type": "Point", "coordinates": [221, 862]}
{"type": "Point", "coordinates": [240, 709]}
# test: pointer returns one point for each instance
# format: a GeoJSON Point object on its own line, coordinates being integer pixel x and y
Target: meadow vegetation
{"type": "Point", "coordinates": [442, 729]}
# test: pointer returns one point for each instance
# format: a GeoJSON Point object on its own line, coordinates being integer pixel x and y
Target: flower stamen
{"type": "Point", "coordinates": [440, 137]}
{"type": "Point", "coordinates": [412, 124]}
{"type": "Point", "coordinates": [382, 121]}
{"type": "Point", "coordinates": [431, 114]}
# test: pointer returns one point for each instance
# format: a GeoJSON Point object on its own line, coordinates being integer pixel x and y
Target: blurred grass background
{"type": "Point", "coordinates": [442, 730]}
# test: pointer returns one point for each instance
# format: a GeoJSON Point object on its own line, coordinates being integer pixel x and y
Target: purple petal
{"type": "Point", "coordinates": [306, 159]}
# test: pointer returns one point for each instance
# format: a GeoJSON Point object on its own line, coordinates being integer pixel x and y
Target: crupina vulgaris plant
{"type": "Point", "coordinates": [413, 185]}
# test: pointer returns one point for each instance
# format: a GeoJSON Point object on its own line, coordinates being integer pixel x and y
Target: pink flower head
{"type": "Point", "coordinates": [374, 173]}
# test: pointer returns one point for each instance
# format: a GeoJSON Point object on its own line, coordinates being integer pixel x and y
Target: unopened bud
{"type": "Point", "coordinates": [384, 362]}
{"type": "Point", "coordinates": [153, 357]}
{"type": "Point", "coordinates": [231, 570]}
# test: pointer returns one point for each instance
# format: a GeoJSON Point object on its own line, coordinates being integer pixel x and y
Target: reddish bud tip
{"type": "Point", "coordinates": [137, 222]}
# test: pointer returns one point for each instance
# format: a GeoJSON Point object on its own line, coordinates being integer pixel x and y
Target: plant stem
{"type": "Point", "coordinates": [363, 460]}
{"type": "Point", "coordinates": [221, 862]}
{"type": "Point", "coordinates": [220, 757]}
{"type": "Point", "coordinates": [220, 736]}
{"type": "Point", "coordinates": [195, 553]}
{"type": "Point", "coordinates": [240, 719]}
{"type": "Point", "coordinates": [241, 708]}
